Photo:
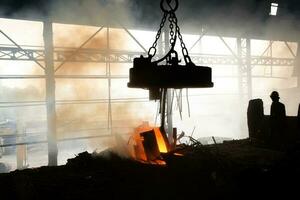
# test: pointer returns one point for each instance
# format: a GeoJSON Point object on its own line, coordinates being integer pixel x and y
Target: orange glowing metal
{"type": "Point", "coordinates": [139, 151]}
{"type": "Point", "coordinates": [160, 141]}
{"type": "Point", "coordinates": [137, 148]}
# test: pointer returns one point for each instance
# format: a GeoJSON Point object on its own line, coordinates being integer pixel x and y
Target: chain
{"type": "Point", "coordinates": [173, 22]}
{"type": "Point", "coordinates": [152, 50]}
{"type": "Point", "coordinates": [185, 52]}
{"type": "Point", "coordinates": [172, 34]}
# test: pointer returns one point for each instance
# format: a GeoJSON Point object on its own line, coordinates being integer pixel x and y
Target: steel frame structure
{"type": "Point", "coordinates": [50, 55]}
{"type": "Point", "coordinates": [113, 56]}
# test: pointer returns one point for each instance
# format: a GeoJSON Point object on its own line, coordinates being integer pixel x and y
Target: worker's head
{"type": "Point", "coordinates": [275, 96]}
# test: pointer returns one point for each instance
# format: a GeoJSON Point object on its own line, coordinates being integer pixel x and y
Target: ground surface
{"type": "Point", "coordinates": [233, 170]}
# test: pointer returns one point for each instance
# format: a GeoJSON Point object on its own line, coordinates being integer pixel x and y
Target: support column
{"type": "Point", "coordinates": [249, 68]}
{"type": "Point", "coordinates": [296, 72]}
{"type": "Point", "coordinates": [108, 73]}
{"type": "Point", "coordinates": [50, 94]}
{"type": "Point", "coordinates": [21, 149]}
{"type": "Point", "coordinates": [240, 68]}
{"type": "Point", "coordinates": [245, 68]}
{"type": "Point", "coordinates": [245, 77]}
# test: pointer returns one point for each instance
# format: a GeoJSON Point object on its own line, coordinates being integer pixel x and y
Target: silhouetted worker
{"type": "Point", "coordinates": [277, 120]}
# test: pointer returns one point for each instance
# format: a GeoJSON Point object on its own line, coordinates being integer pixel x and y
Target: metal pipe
{"type": "Point", "coordinates": [60, 140]}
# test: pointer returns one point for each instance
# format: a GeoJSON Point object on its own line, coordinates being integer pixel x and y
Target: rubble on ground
{"type": "Point", "coordinates": [238, 169]}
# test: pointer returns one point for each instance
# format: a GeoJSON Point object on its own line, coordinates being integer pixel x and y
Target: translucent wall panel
{"type": "Point", "coordinates": [22, 32]}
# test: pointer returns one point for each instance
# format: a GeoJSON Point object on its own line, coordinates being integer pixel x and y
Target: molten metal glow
{"type": "Point", "coordinates": [136, 146]}
{"type": "Point", "coordinates": [160, 141]}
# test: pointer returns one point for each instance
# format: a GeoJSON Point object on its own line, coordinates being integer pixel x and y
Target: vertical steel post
{"type": "Point", "coordinates": [245, 68]}
{"type": "Point", "coordinates": [21, 149]}
{"type": "Point", "coordinates": [240, 68]}
{"type": "Point", "coordinates": [50, 93]}
{"type": "Point", "coordinates": [249, 68]}
{"type": "Point", "coordinates": [297, 66]}
{"type": "Point", "coordinates": [244, 77]}
{"type": "Point", "coordinates": [108, 73]}
{"type": "Point", "coordinates": [271, 55]}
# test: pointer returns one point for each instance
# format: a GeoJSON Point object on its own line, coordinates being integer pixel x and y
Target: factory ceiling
{"type": "Point", "coordinates": [238, 18]}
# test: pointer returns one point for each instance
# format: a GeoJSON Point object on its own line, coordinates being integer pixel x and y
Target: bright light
{"type": "Point", "coordinates": [274, 8]}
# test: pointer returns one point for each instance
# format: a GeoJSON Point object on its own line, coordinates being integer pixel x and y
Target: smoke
{"type": "Point", "coordinates": [245, 19]}
{"type": "Point", "coordinates": [216, 115]}
{"type": "Point", "coordinates": [75, 119]}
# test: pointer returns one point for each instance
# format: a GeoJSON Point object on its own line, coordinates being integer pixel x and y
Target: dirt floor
{"type": "Point", "coordinates": [232, 170]}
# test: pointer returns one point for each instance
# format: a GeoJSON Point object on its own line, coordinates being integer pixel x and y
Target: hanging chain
{"type": "Point", "coordinates": [171, 26]}
{"type": "Point", "coordinates": [152, 50]}
{"type": "Point", "coordinates": [185, 52]}
{"type": "Point", "coordinates": [173, 22]}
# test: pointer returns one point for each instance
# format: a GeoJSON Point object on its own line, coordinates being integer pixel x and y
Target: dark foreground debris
{"type": "Point", "coordinates": [235, 170]}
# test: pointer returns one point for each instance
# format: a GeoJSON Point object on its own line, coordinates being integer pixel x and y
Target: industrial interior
{"type": "Point", "coordinates": [176, 93]}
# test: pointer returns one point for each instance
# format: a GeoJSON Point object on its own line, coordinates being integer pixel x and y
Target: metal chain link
{"type": "Point", "coordinates": [173, 22]}
{"type": "Point", "coordinates": [152, 50]}
{"type": "Point", "coordinates": [171, 26]}
{"type": "Point", "coordinates": [185, 52]}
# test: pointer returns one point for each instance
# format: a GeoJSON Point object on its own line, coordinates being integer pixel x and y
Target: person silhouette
{"type": "Point", "coordinates": [277, 108]}
{"type": "Point", "coordinates": [277, 120]}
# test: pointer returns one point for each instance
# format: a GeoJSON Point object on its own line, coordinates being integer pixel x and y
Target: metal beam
{"type": "Point", "coordinates": [240, 69]}
{"type": "Point", "coordinates": [13, 53]}
{"type": "Point", "coordinates": [50, 94]}
{"type": "Point", "coordinates": [296, 71]}
{"type": "Point", "coordinates": [59, 140]}
{"type": "Point", "coordinates": [64, 76]}
{"type": "Point", "coordinates": [268, 47]}
{"type": "Point", "coordinates": [22, 76]}
{"type": "Point", "coordinates": [290, 49]}
{"type": "Point", "coordinates": [248, 67]}
{"type": "Point", "coordinates": [102, 56]}
{"type": "Point", "coordinates": [78, 49]}
{"type": "Point", "coordinates": [20, 48]}
{"type": "Point", "coordinates": [199, 39]}
{"type": "Point", "coordinates": [108, 73]}
{"type": "Point", "coordinates": [228, 47]}
{"type": "Point", "coordinates": [245, 70]}
{"type": "Point", "coordinates": [132, 36]}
